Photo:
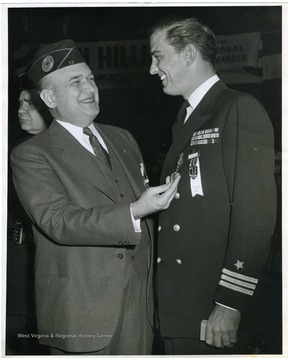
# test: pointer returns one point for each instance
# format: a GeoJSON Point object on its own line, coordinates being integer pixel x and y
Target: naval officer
{"type": "Point", "coordinates": [214, 239]}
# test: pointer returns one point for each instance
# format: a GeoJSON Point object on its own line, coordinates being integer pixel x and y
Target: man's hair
{"type": "Point", "coordinates": [182, 32]}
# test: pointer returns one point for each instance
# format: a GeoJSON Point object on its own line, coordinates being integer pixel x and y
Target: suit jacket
{"type": "Point", "coordinates": [213, 246]}
{"type": "Point", "coordinates": [20, 252]}
{"type": "Point", "coordinates": [82, 230]}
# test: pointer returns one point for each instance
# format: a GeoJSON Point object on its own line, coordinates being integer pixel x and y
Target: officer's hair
{"type": "Point", "coordinates": [182, 32]}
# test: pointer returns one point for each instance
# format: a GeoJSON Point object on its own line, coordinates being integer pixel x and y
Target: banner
{"type": "Point", "coordinates": [129, 60]}
{"type": "Point", "coordinates": [133, 56]}
{"type": "Point", "coordinates": [238, 50]}
{"type": "Point", "coordinates": [117, 57]}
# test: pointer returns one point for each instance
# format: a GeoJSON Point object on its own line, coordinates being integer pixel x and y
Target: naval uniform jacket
{"type": "Point", "coordinates": [212, 247]}
{"type": "Point", "coordinates": [85, 239]}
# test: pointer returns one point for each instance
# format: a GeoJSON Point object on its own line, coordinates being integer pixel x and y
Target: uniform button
{"type": "Point", "coordinates": [18, 221]}
{"type": "Point", "coordinates": [177, 195]}
{"type": "Point", "coordinates": [179, 261]}
{"type": "Point", "coordinates": [158, 260]}
{"type": "Point", "coordinates": [176, 227]}
{"type": "Point", "coordinates": [159, 228]}
{"type": "Point", "coordinates": [116, 181]}
{"type": "Point", "coordinates": [122, 195]}
{"type": "Point", "coordinates": [120, 243]}
{"type": "Point", "coordinates": [120, 256]}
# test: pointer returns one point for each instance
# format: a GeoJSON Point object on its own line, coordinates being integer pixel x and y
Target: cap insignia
{"type": "Point", "coordinates": [47, 63]}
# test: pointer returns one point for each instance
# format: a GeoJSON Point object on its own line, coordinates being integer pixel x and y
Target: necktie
{"type": "Point", "coordinates": [99, 151]}
{"type": "Point", "coordinates": [181, 118]}
{"type": "Point", "coordinates": [182, 112]}
{"type": "Point", "coordinates": [189, 110]}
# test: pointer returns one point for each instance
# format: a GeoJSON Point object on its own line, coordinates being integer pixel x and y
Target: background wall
{"type": "Point", "coordinates": [136, 101]}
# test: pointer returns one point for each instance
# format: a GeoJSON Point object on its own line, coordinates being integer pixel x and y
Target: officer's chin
{"type": "Point", "coordinates": [168, 91]}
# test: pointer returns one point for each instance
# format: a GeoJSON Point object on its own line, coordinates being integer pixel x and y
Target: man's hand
{"type": "Point", "coordinates": [222, 326]}
{"type": "Point", "coordinates": [155, 199]}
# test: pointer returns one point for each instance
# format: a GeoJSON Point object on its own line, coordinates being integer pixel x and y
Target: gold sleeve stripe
{"type": "Point", "coordinates": [236, 288]}
{"type": "Point", "coordinates": [240, 276]}
{"type": "Point", "coordinates": [238, 282]}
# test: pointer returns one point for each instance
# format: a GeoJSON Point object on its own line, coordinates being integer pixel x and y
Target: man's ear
{"type": "Point", "coordinates": [190, 53]}
{"type": "Point", "coordinates": [48, 97]}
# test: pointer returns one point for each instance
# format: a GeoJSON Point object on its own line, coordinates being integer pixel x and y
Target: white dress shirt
{"type": "Point", "coordinates": [198, 94]}
{"type": "Point", "coordinates": [83, 139]}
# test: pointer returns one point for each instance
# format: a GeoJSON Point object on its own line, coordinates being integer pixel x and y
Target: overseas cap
{"type": "Point", "coordinates": [53, 57]}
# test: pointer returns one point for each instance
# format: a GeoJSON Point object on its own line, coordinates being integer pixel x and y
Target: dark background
{"type": "Point", "coordinates": [145, 110]}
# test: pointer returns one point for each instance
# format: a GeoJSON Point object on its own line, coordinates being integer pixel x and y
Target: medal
{"type": "Point", "coordinates": [173, 176]}
{"type": "Point", "coordinates": [195, 173]}
{"type": "Point", "coordinates": [194, 163]}
{"type": "Point", "coordinates": [179, 164]}
{"type": "Point", "coordinates": [144, 175]}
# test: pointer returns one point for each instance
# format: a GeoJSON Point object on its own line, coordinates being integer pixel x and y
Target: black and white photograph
{"type": "Point", "coordinates": [142, 160]}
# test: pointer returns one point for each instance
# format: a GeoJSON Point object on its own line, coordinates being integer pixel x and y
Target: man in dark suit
{"type": "Point", "coordinates": [214, 238]}
{"type": "Point", "coordinates": [84, 187]}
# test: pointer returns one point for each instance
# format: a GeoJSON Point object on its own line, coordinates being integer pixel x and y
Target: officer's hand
{"type": "Point", "coordinates": [155, 199]}
{"type": "Point", "coordinates": [222, 327]}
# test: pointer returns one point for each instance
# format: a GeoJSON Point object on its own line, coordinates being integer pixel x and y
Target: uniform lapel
{"type": "Point", "coordinates": [80, 159]}
{"type": "Point", "coordinates": [196, 120]}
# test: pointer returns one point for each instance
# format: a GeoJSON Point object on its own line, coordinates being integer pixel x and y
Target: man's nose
{"type": "Point", "coordinates": [22, 108]}
{"type": "Point", "coordinates": [153, 68]}
{"type": "Point", "coordinates": [88, 87]}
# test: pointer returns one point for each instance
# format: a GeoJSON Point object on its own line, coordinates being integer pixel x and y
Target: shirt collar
{"type": "Point", "coordinates": [198, 94]}
{"type": "Point", "coordinates": [76, 131]}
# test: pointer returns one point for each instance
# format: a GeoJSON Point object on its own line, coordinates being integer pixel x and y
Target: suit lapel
{"type": "Point", "coordinates": [80, 159]}
{"type": "Point", "coordinates": [123, 154]}
{"type": "Point", "coordinates": [131, 169]}
{"type": "Point", "coordinates": [126, 159]}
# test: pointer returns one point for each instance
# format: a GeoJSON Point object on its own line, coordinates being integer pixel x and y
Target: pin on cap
{"type": "Point", "coordinates": [54, 57]}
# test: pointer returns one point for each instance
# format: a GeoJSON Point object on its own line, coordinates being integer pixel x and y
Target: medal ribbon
{"type": "Point", "coordinates": [195, 174]}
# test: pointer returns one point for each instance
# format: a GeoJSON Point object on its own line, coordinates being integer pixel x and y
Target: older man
{"type": "Point", "coordinates": [84, 186]}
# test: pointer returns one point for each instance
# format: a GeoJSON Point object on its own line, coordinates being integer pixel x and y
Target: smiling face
{"type": "Point", "coordinates": [169, 65]}
{"type": "Point", "coordinates": [28, 113]}
{"type": "Point", "coordinates": [74, 94]}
